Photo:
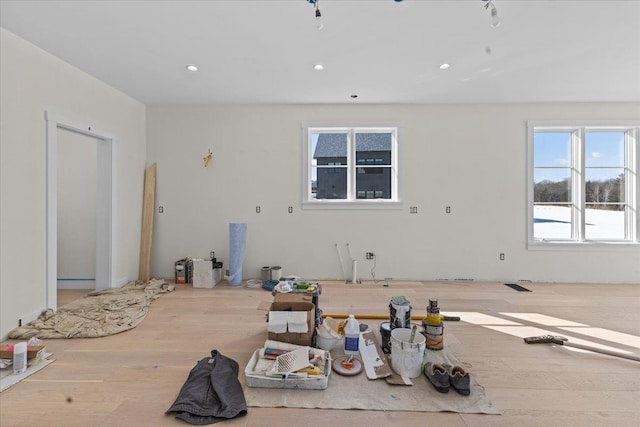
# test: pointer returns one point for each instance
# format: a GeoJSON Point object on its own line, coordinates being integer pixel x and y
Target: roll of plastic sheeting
{"type": "Point", "coordinates": [237, 249]}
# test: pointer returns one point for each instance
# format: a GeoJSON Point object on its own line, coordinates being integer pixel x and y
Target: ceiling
{"type": "Point", "coordinates": [383, 51]}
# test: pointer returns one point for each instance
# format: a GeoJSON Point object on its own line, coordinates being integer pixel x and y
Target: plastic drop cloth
{"type": "Point", "coordinates": [98, 314]}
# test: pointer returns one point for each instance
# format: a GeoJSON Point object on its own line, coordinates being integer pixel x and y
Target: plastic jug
{"type": "Point", "coordinates": [351, 336]}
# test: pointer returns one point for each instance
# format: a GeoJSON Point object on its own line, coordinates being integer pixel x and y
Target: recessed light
{"type": "Point", "coordinates": [444, 66]}
{"type": "Point", "coordinates": [318, 67]}
{"type": "Point", "coordinates": [191, 67]}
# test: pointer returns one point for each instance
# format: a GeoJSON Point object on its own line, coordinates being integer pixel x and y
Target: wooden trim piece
{"type": "Point", "coordinates": [147, 222]}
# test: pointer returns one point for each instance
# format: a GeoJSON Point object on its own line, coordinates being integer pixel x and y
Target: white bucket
{"type": "Point", "coordinates": [406, 358]}
{"type": "Point", "coordinates": [328, 344]}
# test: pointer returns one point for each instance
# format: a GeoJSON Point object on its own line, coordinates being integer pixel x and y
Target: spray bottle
{"type": "Point", "coordinates": [351, 336]}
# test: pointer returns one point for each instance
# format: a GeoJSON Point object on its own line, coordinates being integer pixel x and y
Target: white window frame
{"type": "Point", "coordinates": [351, 202]}
{"type": "Point", "coordinates": [632, 185]}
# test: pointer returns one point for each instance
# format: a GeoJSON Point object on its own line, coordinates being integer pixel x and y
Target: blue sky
{"type": "Point", "coordinates": [603, 150]}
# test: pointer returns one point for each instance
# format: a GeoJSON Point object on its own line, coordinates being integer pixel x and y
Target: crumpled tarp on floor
{"type": "Point", "coordinates": [98, 314]}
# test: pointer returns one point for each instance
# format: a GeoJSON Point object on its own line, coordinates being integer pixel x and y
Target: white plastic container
{"type": "Point", "coordinates": [407, 356]}
{"type": "Point", "coordinates": [351, 336]}
{"type": "Point", "coordinates": [19, 358]}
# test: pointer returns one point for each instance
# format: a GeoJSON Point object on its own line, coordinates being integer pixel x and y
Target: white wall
{"type": "Point", "coordinates": [32, 81]}
{"type": "Point", "coordinates": [469, 157]}
{"type": "Point", "coordinates": [77, 164]}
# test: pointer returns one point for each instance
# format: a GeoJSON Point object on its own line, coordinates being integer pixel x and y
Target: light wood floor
{"type": "Point", "coordinates": [130, 379]}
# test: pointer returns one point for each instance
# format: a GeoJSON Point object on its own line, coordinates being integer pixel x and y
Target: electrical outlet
{"type": "Point", "coordinates": [257, 209]}
{"type": "Point", "coordinates": [370, 255]}
{"type": "Point", "coordinates": [448, 209]}
{"type": "Point", "coordinates": [290, 209]}
{"type": "Point", "coordinates": [501, 256]}
{"type": "Point", "coordinates": [160, 209]}
{"type": "Point", "coordinates": [413, 209]}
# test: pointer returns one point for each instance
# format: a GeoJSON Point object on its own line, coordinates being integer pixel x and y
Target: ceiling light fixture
{"type": "Point", "coordinates": [319, 23]}
{"type": "Point", "coordinates": [318, 67]}
{"type": "Point", "coordinates": [191, 67]}
{"type": "Point", "coordinates": [495, 20]}
{"type": "Point", "coordinates": [444, 66]}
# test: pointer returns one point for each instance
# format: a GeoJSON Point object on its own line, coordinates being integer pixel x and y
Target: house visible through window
{"type": "Point", "coordinates": [583, 184]}
{"type": "Point", "coordinates": [348, 165]}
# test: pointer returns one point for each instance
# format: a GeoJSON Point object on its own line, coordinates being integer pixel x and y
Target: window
{"type": "Point", "coordinates": [334, 170]}
{"type": "Point", "coordinates": [350, 167]}
{"type": "Point", "coordinates": [583, 185]}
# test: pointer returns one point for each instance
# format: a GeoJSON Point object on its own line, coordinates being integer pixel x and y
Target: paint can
{"type": "Point", "coordinates": [435, 337]}
{"type": "Point", "coordinates": [276, 272]}
{"type": "Point", "coordinates": [180, 272]}
{"type": "Point", "coordinates": [385, 336]}
{"type": "Point", "coordinates": [399, 312]}
{"type": "Point", "coordinates": [406, 359]}
{"type": "Point", "coordinates": [265, 274]}
{"type": "Point", "coordinates": [433, 326]}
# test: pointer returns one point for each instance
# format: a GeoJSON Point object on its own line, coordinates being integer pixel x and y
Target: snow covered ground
{"type": "Point", "coordinates": [554, 222]}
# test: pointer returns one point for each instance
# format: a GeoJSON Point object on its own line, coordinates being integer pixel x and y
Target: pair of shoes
{"type": "Point", "coordinates": [443, 376]}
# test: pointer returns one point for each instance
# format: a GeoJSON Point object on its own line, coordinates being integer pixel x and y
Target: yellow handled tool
{"type": "Point", "coordinates": [310, 371]}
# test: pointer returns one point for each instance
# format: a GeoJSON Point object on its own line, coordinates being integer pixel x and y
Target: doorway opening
{"type": "Point", "coordinates": [103, 203]}
{"type": "Point", "coordinates": [76, 250]}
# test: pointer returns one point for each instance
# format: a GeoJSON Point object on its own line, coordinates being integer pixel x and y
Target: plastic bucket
{"type": "Point", "coordinates": [328, 344]}
{"type": "Point", "coordinates": [406, 357]}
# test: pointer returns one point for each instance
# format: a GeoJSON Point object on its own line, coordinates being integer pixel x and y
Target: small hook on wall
{"type": "Point", "coordinates": [207, 159]}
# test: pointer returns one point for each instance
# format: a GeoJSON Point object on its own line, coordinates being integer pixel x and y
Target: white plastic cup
{"type": "Point", "coordinates": [19, 358]}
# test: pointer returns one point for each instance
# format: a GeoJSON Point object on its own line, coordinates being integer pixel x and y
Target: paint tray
{"type": "Point", "coordinates": [254, 377]}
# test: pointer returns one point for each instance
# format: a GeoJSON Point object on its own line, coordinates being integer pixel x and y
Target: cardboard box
{"type": "Point", "coordinates": [260, 380]}
{"type": "Point", "coordinates": [298, 338]}
{"type": "Point", "coordinates": [203, 274]}
{"type": "Point", "coordinates": [293, 297]}
{"type": "Point", "coordinates": [33, 351]}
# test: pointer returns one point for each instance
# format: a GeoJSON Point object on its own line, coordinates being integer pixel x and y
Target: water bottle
{"type": "Point", "coordinates": [351, 336]}
{"type": "Point", "coordinates": [19, 358]}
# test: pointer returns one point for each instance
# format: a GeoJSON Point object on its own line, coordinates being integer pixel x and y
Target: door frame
{"type": "Point", "coordinates": [104, 203]}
